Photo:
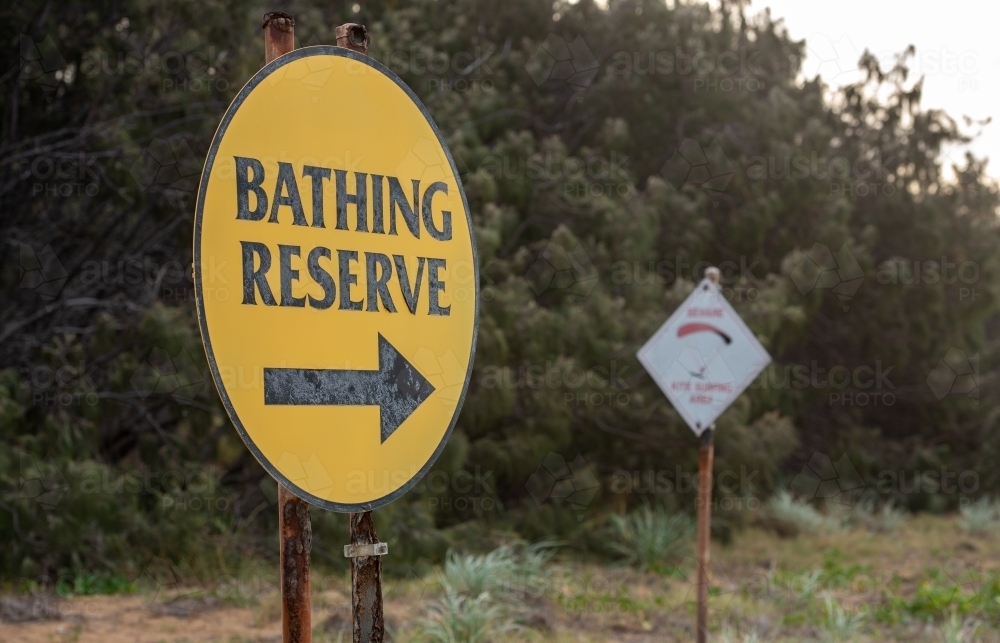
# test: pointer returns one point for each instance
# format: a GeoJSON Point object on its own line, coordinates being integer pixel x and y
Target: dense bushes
{"type": "Point", "coordinates": [599, 193]}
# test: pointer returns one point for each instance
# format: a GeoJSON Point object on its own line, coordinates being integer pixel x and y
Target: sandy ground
{"type": "Point", "coordinates": [130, 619]}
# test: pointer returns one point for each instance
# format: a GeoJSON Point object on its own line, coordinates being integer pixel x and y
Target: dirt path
{"type": "Point", "coordinates": [129, 619]}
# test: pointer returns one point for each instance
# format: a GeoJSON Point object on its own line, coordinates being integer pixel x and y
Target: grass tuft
{"type": "Point", "coordinates": [730, 634]}
{"type": "Point", "coordinates": [957, 630]}
{"type": "Point", "coordinates": [866, 514]}
{"type": "Point", "coordinates": [651, 539]}
{"type": "Point", "coordinates": [798, 516]}
{"type": "Point", "coordinates": [461, 619]}
{"type": "Point", "coordinates": [507, 573]}
{"type": "Point", "coordinates": [981, 517]}
{"type": "Point", "coordinates": [841, 625]}
{"type": "Point", "coordinates": [486, 595]}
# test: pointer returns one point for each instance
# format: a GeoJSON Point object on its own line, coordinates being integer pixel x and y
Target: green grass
{"type": "Point", "coordinates": [938, 597]}
{"type": "Point", "coordinates": [93, 585]}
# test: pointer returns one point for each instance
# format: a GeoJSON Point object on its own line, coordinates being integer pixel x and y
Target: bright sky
{"type": "Point", "coordinates": [958, 51]}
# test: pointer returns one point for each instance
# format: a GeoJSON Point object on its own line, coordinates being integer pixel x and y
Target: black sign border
{"type": "Point", "coordinates": [267, 70]}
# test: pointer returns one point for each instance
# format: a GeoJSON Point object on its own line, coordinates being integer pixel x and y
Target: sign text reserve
{"type": "Point", "coordinates": [284, 206]}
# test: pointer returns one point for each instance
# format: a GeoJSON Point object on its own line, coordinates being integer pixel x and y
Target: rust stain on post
{"type": "Point", "coordinates": [294, 523]}
{"type": "Point", "coordinates": [366, 571]}
{"type": "Point", "coordinates": [706, 454]}
{"type": "Point", "coordinates": [366, 583]}
{"type": "Point", "coordinates": [279, 35]}
{"type": "Point", "coordinates": [353, 36]}
{"type": "Point", "coordinates": [295, 534]}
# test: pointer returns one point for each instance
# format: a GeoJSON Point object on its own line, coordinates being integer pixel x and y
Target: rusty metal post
{"type": "Point", "coordinates": [352, 36]}
{"type": "Point", "coordinates": [294, 522]}
{"type": "Point", "coordinates": [366, 582]}
{"type": "Point", "coordinates": [366, 570]}
{"type": "Point", "coordinates": [706, 456]}
{"type": "Point", "coordinates": [279, 35]}
{"type": "Point", "coordinates": [295, 537]}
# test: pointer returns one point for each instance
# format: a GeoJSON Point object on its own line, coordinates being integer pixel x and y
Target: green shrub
{"type": "Point", "coordinates": [462, 619]}
{"type": "Point", "coordinates": [84, 527]}
{"type": "Point", "coordinates": [651, 538]}
{"type": "Point", "coordinates": [730, 634]}
{"type": "Point", "coordinates": [474, 575]}
{"type": "Point", "coordinates": [808, 583]}
{"type": "Point", "coordinates": [958, 630]}
{"type": "Point", "coordinates": [981, 517]}
{"type": "Point", "coordinates": [866, 513]}
{"type": "Point", "coordinates": [506, 574]}
{"type": "Point", "coordinates": [485, 594]}
{"type": "Point", "coordinates": [794, 517]}
{"type": "Point", "coordinates": [841, 625]}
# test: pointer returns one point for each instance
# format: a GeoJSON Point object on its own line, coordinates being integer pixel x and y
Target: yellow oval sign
{"type": "Point", "coordinates": [336, 278]}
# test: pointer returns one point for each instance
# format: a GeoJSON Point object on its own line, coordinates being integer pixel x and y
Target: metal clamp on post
{"type": "Point", "coordinates": [370, 549]}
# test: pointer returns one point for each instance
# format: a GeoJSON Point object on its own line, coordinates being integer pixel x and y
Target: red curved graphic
{"type": "Point", "coordinates": [699, 327]}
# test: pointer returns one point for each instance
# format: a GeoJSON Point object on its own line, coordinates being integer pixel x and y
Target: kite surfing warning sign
{"type": "Point", "coordinates": [703, 357]}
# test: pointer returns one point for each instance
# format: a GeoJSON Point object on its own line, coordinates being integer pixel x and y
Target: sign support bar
{"type": "Point", "coordinates": [706, 456]}
{"type": "Point", "coordinates": [295, 525]}
{"type": "Point", "coordinates": [366, 581]}
{"type": "Point", "coordinates": [366, 568]}
{"type": "Point", "coordinates": [294, 522]}
{"type": "Point", "coordinates": [295, 543]}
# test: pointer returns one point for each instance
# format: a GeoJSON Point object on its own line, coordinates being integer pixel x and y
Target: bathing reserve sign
{"type": "Point", "coordinates": [336, 278]}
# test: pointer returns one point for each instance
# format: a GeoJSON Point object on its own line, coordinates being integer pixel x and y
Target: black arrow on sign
{"type": "Point", "coordinates": [397, 388]}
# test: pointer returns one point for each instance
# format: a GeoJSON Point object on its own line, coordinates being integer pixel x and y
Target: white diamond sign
{"type": "Point", "coordinates": [703, 357]}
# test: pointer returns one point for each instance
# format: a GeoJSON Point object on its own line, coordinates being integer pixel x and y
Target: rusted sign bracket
{"type": "Point", "coordinates": [359, 551]}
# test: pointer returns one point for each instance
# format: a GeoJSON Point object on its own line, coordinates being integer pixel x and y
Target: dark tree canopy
{"type": "Point", "coordinates": [608, 155]}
